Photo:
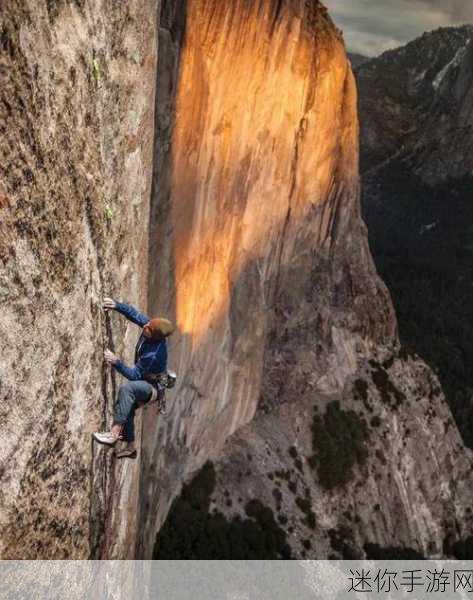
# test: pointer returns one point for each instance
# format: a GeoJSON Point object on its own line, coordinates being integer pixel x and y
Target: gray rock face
{"type": "Point", "coordinates": [253, 244]}
{"type": "Point", "coordinates": [371, 476]}
{"type": "Point", "coordinates": [76, 117]}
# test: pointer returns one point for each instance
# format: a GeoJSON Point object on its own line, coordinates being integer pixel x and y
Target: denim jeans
{"type": "Point", "coordinates": [130, 396]}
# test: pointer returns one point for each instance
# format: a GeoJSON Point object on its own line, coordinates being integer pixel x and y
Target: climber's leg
{"type": "Point", "coordinates": [130, 396]}
{"type": "Point", "coordinates": [125, 406]}
{"type": "Point", "coordinates": [141, 391]}
{"type": "Point", "coordinates": [128, 431]}
{"type": "Point", "coordinates": [128, 452]}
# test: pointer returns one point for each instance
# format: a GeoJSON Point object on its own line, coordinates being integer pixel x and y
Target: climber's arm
{"type": "Point", "coordinates": [128, 311]}
{"type": "Point", "coordinates": [153, 362]}
{"type": "Point", "coordinates": [137, 372]}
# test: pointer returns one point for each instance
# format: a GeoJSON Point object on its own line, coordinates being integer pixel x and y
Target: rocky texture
{"type": "Point", "coordinates": [416, 106]}
{"type": "Point", "coordinates": [357, 59]}
{"type": "Point", "coordinates": [255, 247]}
{"type": "Point", "coordinates": [280, 307]}
{"type": "Point", "coordinates": [378, 471]}
{"type": "Point", "coordinates": [416, 155]}
{"type": "Point", "coordinates": [260, 251]}
{"type": "Point", "coordinates": [76, 131]}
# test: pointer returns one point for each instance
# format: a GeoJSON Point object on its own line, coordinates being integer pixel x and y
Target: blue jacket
{"type": "Point", "coordinates": [150, 356]}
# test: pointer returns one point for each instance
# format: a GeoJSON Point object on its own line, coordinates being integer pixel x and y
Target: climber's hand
{"type": "Point", "coordinates": [109, 304]}
{"type": "Point", "coordinates": [110, 357]}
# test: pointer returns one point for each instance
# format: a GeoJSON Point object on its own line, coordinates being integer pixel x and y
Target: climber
{"type": "Point", "coordinates": [145, 378]}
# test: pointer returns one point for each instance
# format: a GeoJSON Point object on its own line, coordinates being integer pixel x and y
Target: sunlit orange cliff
{"type": "Point", "coordinates": [258, 250]}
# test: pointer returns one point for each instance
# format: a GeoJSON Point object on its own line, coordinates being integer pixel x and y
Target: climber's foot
{"type": "Point", "coordinates": [127, 453]}
{"type": "Point", "coordinates": [106, 437]}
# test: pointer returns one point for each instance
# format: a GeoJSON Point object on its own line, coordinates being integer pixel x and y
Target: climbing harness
{"type": "Point", "coordinates": [163, 382]}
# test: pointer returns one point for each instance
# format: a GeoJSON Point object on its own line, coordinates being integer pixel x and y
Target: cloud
{"type": "Point", "coordinates": [373, 26]}
{"type": "Point", "coordinates": [458, 11]}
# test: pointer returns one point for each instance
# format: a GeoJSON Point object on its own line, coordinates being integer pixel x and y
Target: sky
{"type": "Point", "coordinates": [373, 26]}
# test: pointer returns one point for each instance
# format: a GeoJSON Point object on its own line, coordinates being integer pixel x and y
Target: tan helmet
{"type": "Point", "coordinates": [160, 326]}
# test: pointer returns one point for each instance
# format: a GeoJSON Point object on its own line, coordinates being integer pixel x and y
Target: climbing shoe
{"type": "Point", "coordinates": [105, 437]}
{"type": "Point", "coordinates": [126, 453]}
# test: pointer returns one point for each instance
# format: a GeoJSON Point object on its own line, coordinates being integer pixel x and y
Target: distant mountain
{"type": "Point", "coordinates": [357, 59]}
{"type": "Point", "coordinates": [416, 103]}
{"type": "Point", "coordinates": [416, 115]}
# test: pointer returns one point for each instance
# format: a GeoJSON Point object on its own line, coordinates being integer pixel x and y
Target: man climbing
{"type": "Point", "coordinates": [144, 378]}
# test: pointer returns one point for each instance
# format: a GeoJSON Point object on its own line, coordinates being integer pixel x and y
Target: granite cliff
{"type": "Point", "coordinates": [242, 223]}
{"type": "Point", "coordinates": [352, 450]}
{"type": "Point", "coordinates": [76, 153]}
{"type": "Point", "coordinates": [268, 272]}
